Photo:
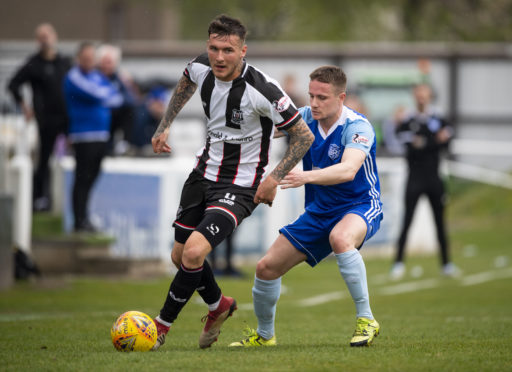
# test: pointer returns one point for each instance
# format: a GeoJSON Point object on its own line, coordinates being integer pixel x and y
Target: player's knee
{"type": "Point", "coordinates": [192, 257]}
{"type": "Point", "coordinates": [176, 259]}
{"type": "Point", "coordinates": [342, 241]}
{"type": "Point", "coordinates": [176, 252]}
{"type": "Point", "coordinates": [260, 269]}
{"type": "Point", "coordinates": [265, 271]}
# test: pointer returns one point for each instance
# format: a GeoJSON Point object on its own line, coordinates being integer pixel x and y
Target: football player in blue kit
{"type": "Point", "coordinates": [342, 208]}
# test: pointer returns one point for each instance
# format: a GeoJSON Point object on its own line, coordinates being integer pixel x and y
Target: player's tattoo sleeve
{"type": "Point", "coordinates": [301, 139]}
{"type": "Point", "coordinates": [184, 90]}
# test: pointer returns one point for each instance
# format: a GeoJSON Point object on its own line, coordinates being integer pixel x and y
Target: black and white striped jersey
{"type": "Point", "coordinates": [241, 117]}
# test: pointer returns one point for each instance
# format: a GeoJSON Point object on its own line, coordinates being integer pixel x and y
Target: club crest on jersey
{"type": "Point", "coordinates": [283, 104]}
{"type": "Point", "coordinates": [179, 212]}
{"type": "Point", "coordinates": [356, 138]}
{"type": "Point", "coordinates": [334, 151]}
{"type": "Point", "coordinates": [237, 116]}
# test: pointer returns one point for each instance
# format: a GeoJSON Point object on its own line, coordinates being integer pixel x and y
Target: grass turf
{"type": "Point", "coordinates": [429, 323]}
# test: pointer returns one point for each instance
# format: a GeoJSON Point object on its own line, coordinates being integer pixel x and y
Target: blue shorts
{"type": "Point", "coordinates": [310, 232]}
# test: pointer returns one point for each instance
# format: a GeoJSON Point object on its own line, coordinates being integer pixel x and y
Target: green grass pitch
{"type": "Point", "coordinates": [428, 323]}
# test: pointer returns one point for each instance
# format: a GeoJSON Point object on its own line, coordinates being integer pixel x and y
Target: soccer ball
{"type": "Point", "coordinates": [133, 331]}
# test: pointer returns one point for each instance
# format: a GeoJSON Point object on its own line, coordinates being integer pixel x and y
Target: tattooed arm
{"type": "Point", "coordinates": [301, 139]}
{"type": "Point", "coordinates": [184, 90]}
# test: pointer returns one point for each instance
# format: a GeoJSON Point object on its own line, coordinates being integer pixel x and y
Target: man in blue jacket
{"type": "Point", "coordinates": [89, 97]}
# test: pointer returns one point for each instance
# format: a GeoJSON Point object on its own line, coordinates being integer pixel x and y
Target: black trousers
{"type": "Point", "coordinates": [88, 157]}
{"type": "Point", "coordinates": [228, 254]}
{"type": "Point", "coordinates": [431, 185]}
{"type": "Point", "coordinates": [48, 131]}
{"type": "Point", "coordinates": [122, 120]}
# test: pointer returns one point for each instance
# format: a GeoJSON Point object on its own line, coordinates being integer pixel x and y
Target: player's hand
{"type": "Point", "coordinates": [28, 113]}
{"type": "Point", "coordinates": [443, 136]}
{"type": "Point", "coordinates": [418, 142]}
{"type": "Point", "coordinates": [295, 178]}
{"type": "Point", "coordinates": [159, 143]}
{"type": "Point", "coordinates": [266, 191]}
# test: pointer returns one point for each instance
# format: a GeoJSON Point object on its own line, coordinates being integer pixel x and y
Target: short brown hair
{"type": "Point", "coordinates": [330, 75]}
{"type": "Point", "coordinates": [84, 45]}
{"type": "Point", "coordinates": [224, 25]}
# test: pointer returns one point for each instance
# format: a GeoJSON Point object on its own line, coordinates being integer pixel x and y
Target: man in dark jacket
{"type": "Point", "coordinates": [44, 71]}
{"type": "Point", "coordinates": [425, 135]}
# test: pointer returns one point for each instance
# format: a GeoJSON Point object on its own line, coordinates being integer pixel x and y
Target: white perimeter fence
{"type": "Point", "coordinates": [136, 199]}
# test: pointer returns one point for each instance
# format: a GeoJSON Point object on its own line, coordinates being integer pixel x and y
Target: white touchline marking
{"type": "Point", "coordinates": [401, 288]}
{"type": "Point", "coordinates": [486, 276]}
{"type": "Point", "coordinates": [322, 299]}
{"type": "Point", "coordinates": [245, 307]}
{"type": "Point", "coordinates": [28, 317]}
{"type": "Point", "coordinates": [42, 316]}
{"type": "Point", "coordinates": [473, 279]}
{"type": "Point", "coordinates": [380, 278]}
{"type": "Point", "coordinates": [412, 286]}
{"type": "Point", "coordinates": [408, 287]}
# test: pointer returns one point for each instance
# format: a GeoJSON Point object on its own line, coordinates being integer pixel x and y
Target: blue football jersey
{"type": "Point", "coordinates": [352, 130]}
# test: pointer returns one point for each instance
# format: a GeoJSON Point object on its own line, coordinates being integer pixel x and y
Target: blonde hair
{"type": "Point", "coordinates": [109, 50]}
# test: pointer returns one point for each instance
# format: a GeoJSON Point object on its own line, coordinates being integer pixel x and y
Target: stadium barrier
{"type": "Point", "coordinates": [135, 200]}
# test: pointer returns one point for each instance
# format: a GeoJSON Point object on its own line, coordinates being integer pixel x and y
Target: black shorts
{"type": "Point", "coordinates": [201, 197]}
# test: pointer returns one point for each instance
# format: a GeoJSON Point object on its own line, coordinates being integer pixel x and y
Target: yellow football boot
{"type": "Point", "coordinates": [254, 339]}
{"type": "Point", "coordinates": [366, 331]}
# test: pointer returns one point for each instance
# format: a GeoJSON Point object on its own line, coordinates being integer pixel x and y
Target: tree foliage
{"type": "Point", "coordinates": [355, 20]}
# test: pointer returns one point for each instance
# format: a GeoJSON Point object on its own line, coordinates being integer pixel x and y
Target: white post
{"type": "Point", "coordinates": [19, 184]}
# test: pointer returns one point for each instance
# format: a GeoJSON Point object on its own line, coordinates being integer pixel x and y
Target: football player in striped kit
{"type": "Point", "coordinates": [342, 208]}
{"type": "Point", "coordinates": [243, 107]}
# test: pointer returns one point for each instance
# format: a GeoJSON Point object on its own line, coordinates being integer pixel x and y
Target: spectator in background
{"type": "Point", "coordinates": [149, 111]}
{"type": "Point", "coordinates": [355, 103]}
{"type": "Point", "coordinates": [425, 134]}
{"type": "Point", "coordinates": [424, 68]}
{"type": "Point", "coordinates": [109, 58]}
{"type": "Point", "coordinates": [89, 96]}
{"type": "Point", "coordinates": [290, 87]}
{"type": "Point", "coordinates": [44, 71]}
{"type": "Point", "coordinates": [389, 128]}
{"type": "Point", "coordinates": [229, 269]}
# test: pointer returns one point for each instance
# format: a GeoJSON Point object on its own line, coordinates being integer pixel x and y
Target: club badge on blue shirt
{"type": "Point", "coordinates": [334, 151]}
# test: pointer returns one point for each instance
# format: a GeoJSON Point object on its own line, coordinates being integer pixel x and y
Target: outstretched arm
{"type": "Point", "coordinates": [301, 139]}
{"type": "Point", "coordinates": [184, 90]}
{"type": "Point", "coordinates": [344, 171]}
{"type": "Point", "coordinates": [21, 77]}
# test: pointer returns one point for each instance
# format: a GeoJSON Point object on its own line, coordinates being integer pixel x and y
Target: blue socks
{"type": "Point", "coordinates": [265, 294]}
{"type": "Point", "coordinates": [353, 271]}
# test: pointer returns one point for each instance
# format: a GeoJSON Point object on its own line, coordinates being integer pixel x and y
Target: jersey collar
{"type": "Point", "coordinates": [341, 120]}
{"type": "Point", "coordinates": [244, 68]}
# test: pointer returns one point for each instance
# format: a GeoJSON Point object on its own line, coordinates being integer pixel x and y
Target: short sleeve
{"type": "Point", "coordinates": [359, 135]}
{"type": "Point", "coordinates": [284, 114]}
{"type": "Point", "coordinates": [305, 112]}
{"type": "Point", "coordinates": [273, 102]}
{"type": "Point", "coordinates": [197, 68]}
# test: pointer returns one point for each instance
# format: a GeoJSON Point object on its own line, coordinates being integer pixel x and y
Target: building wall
{"type": "Point", "coordinates": [106, 20]}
